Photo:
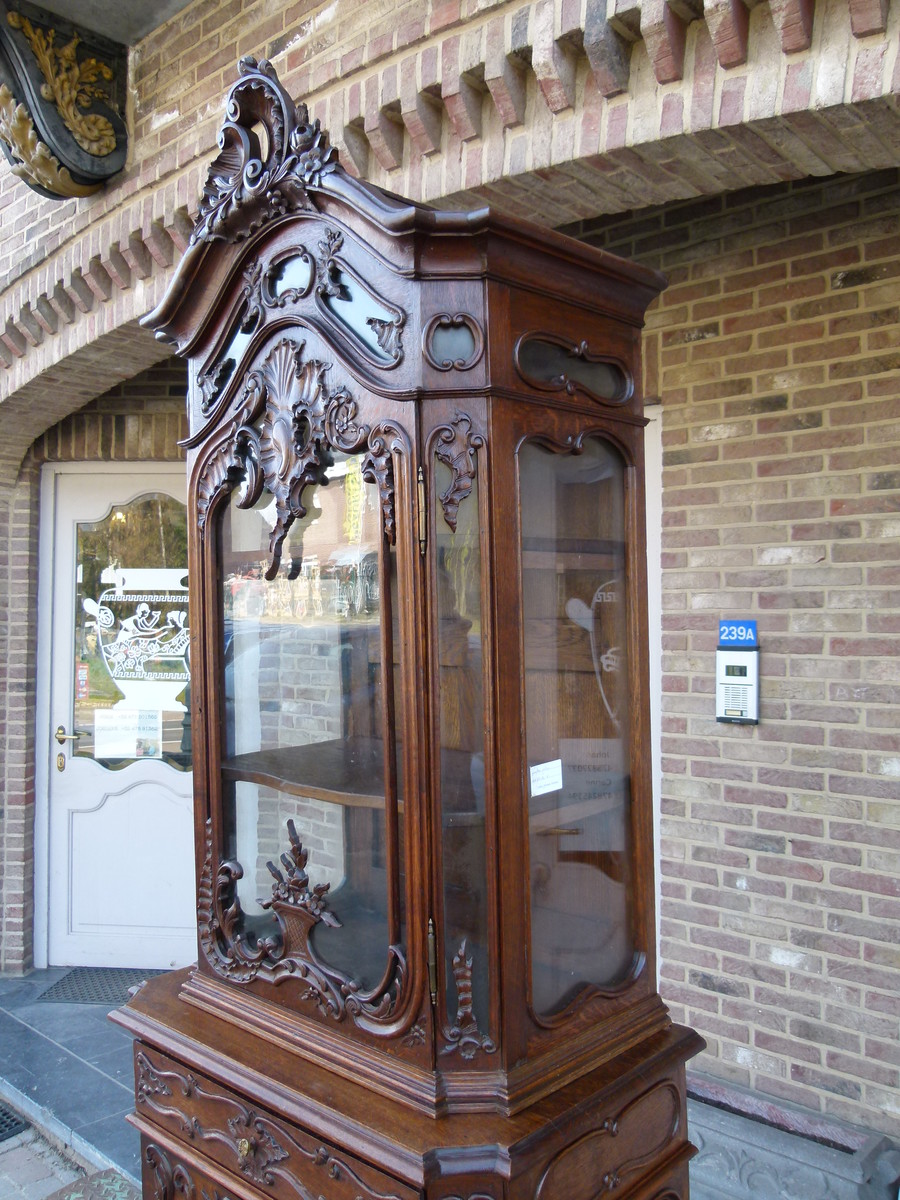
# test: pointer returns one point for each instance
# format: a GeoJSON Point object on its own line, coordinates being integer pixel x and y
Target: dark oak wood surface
{"type": "Point", "coordinates": [426, 899]}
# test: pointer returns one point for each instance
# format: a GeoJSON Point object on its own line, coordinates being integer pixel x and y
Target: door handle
{"type": "Point", "coordinates": [61, 735]}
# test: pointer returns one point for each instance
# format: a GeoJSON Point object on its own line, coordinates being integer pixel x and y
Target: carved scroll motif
{"type": "Point", "coordinates": [71, 85]}
{"type": "Point", "coordinates": [338, 291]}
{"type": "Point", "coordinates": [464, 1035]}
{"type": "Point", "coordinates": [378, 468]}
{"type": "Point", "coordinates": [455, 447]}
{"type": "Point", "coordinates": [446, 336]}
{"type": "Point", "coordinates": [264, 1152]}
{"type": "Point", "coordinates": [552, 363]}
{"type": "Point", "coordinates": [244, 190]}
{"type": "Point", "coordinates": [286, 952]}
{"type": "Point", "coordinates": [168, 1181]}
{"type": "Point", "coordinates": [657, 1110]}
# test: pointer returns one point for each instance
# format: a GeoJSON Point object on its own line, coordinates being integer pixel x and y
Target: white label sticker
{"type": "Point", "coordinates": [127, 733]}
{"type": "Point", "coordinates": [546, 777]}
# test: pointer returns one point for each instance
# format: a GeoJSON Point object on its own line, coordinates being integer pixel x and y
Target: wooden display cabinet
{"type": "Point", "coordinates": [419, 705]}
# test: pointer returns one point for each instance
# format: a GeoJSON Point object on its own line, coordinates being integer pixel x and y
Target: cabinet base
{"type": "Point", "coordinates": [222, 1115]}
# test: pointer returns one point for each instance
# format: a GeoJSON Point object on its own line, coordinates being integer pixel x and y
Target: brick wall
{"type": "Point", "coordinates": [776, 352]}
{"type": "Point", "coordinates": [139, 420]}
{"type": "Point", "coordinates": [544, 108]}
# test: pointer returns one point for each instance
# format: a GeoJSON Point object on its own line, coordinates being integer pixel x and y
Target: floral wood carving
{"type": "Point", "coordinates": [71, 85]}
{"type": "Point", "coordinates": [244, 190]}
{"type": "Point", "coordinates": [32, 160]}
{"type": "Point", "coordinates": [285, 951]}
{"type": "Point", "coordinates": [337, 282]}
{"type": "Point", "coordinates": [287, 423]}
{"type": "Point", "coordinates": [455, 446]}
{"type": "Point", "coordinates": [464, 1035]}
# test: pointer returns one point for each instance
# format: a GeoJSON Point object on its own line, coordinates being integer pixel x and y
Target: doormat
{"type": "Point", "coordinates": [10, 1123]}
{"type": "Point", "coordinates": [105, 1185]}
{"type": "Point", "coordinates": [96, 985]}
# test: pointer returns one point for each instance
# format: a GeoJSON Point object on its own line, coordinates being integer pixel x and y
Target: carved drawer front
{"type": "Point", "coordinates": [168, 1175]}
{"type": "Point", "coordinates": [280, 1160]}
{"type": "Point", "coordinates": [624, 1154]}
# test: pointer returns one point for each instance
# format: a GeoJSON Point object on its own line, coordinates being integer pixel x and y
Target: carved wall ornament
{"type": "Point", "coordinates": [243, 189]}
{"type": "Point", "coordinates": [452, 342]}
{"type": "Point", "coordinates": [29, 158]}
{"type": "Point", "coordinates": [464, 1035]}
{"type": "Point", "coordinates": [285, 951]}
{"type": "Point", "coordinates": [71, 85]}
{"type": "Point", "coordinates": [555, 364]}
{"type": "Point", "coordinates": [60, 126]}
{"type": "Point", "coordinates": [454, 445]}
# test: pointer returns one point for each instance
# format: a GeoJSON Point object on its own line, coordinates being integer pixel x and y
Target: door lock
{"type": "Point", "coordinates": [63, 737]}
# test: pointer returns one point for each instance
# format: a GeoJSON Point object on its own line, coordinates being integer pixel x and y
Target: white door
{"type": "Point", "coordinates": [113, 737]}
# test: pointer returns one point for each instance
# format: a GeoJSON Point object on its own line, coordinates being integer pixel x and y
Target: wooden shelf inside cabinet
{"type": "Point", "coordinates": [349, 772]}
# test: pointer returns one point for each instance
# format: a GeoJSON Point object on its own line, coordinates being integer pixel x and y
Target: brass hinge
{"type": "Point", "coordinates": [423, 524]}
{"type": "Point", "coordinates": [432, 961]}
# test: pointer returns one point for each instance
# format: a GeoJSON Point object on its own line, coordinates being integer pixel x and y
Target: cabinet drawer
{"type": "Point", "coordinates": [281, 1160]}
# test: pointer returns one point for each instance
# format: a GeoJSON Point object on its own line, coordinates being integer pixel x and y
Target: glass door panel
{"type": "Point", "coordinates": [576, 710]}
{"type": "Point", "coordinates": [462, 768]}
{"type": "Point", "coordinates": [307, 751]}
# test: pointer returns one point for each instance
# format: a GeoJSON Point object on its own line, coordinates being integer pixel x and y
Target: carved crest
{"type": "Point", "coordinates": [286, 951]}
{"type": "Point", "coordinates": [287, 424]}
{"type": "Point", "coordinates": [247, 186]}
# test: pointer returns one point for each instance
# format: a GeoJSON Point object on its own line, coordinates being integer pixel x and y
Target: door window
{"type": "Point", "coordinates": [131, 673]}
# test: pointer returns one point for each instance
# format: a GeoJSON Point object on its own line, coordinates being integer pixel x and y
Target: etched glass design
{"type": "Point", "coordinates": [132, 637]}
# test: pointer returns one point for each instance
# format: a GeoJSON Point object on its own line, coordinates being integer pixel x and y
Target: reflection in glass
{"type": "Point", "coordinates": [132, 635]}
{"type": "Point", "coordinates": [576, 710]}
{"type": "Point", "coordinates": [458, 558]}
{"type": "Point", "coordinates": [376, 326]}
{"type": "Point", "coordinates": [291, 278]}
{"type": "Point", "coordinates": [304, 712]}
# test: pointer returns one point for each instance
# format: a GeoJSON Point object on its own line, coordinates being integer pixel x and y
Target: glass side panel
{"type": "Point", "coordinates": [576, 709]}
{"type": "Point", "coordinates": [458, 558]}
{"type": "Point", "coordinates": [547, 363]}
{"type": "Point", "coordinates": [305, 700]}
{"type": "Point", "coordinates": [132, 636]}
